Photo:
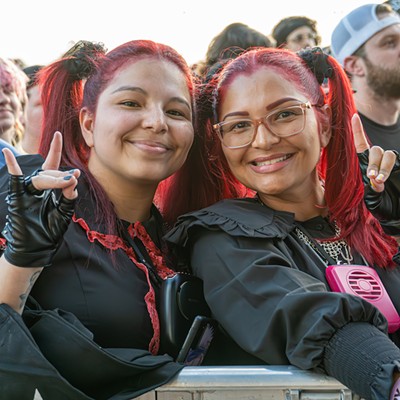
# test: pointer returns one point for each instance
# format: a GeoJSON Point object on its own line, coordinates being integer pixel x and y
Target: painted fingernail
{"type": "Point", "coordinates": [380, 177]}
{"type": "Point", "coordinates": [67, 178]}
{"type": "Point", "coordinates": [371, 172]}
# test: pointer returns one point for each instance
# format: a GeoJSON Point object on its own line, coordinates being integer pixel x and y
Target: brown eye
{"type": "Point", "coordinates": [176, 113]}
{"type": "Point", "coordinates": [287, 113]}
{"type": "Point", "coordinates": [130, 103]}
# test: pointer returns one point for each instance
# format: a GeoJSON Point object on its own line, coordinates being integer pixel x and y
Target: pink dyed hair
{"type": "Point", "coordinates": [338, 166]}
{"type": "Point", "coordinates": [64, 93]}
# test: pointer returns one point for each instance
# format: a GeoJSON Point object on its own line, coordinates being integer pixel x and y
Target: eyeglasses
{"type": "Point", "coordinates": [302, 37]}
{"type": "Point", "coordinates": [240, 132]}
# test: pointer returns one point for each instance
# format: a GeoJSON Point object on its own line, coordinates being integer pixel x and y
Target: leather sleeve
{"type": "Point", "coordinates": [385, 206]}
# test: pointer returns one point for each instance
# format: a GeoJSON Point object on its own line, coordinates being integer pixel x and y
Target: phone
{"type": "Point", "coordinates": [364, 282]}
{"type": "Point", "coordinates": [197, 341]}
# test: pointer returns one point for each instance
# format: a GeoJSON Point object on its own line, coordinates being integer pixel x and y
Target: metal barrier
{"type": "Point", "coordinates": [250, 383]}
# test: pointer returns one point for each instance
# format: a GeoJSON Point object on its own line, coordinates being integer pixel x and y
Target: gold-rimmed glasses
{"type": "Point", "coordinates": [283, 122]}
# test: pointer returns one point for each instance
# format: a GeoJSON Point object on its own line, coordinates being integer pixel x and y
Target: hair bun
{"type": "Point", "coordinates": [317, 61]}
{"type": "Point", "coordinates": [80, 59]}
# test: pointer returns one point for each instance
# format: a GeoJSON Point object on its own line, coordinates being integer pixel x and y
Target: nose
{"type": "Point", "coordinates": [155, 120]}
{"type": "Point", "coordinates": [263, 137]}
{"type": "Point", "coordinates": [4, 97]}
{"type": "Point", "coordinates": [308, 41]}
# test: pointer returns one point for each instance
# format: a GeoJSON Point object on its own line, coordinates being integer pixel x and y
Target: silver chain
{"type": "Point", "coordinates": [339, 250]}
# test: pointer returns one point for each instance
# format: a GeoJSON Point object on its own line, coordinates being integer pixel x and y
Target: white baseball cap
{"type": "Point", "coordinates": [356, 28]}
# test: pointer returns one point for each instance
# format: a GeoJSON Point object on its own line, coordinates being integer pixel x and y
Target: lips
{"type": "Point", "coordinates": [260, 162]}
{"type": "Point", "coordinates": [149, 145]}
{"type": "Point", "coordinates": [7, 110]}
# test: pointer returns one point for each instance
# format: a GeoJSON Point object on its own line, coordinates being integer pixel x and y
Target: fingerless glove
{"type": "Point", "coordinates": [35, 224]}
{"type": "Point", "coordinates": [385, 206]}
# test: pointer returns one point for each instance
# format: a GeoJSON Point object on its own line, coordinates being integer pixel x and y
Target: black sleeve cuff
{"type": "Point", "coordinates": [363, 358]}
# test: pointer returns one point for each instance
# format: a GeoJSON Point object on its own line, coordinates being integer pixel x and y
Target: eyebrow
{"type": "Point", "coordinates": [129, 88]}
{"type": "Point", "coordinates": [182, 101]}
{"type": "Point", "coordinates": [140, 90]}
{"type": "Point", "coordinates": [236, 113]}
{"type": "Point", "coordinates": [281, 101]}
{"type": "Point", "coordinates": [389, 35]}
{"type": "Point", "coordinates": [269, 107]}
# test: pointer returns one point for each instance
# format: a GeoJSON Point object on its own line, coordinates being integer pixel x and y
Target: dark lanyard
{"type": "Point", "coordinates": [136, 245]}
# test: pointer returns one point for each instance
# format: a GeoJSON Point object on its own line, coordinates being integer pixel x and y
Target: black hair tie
{"type": "Point", "coordinates": [317, 61]}
{"type": "Point", "coordinates": [80, 59]}
{"type": "Point", "coordinates": [78, 68]}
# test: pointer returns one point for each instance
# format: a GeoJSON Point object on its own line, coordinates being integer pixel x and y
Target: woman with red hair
{"type": "Point", "coordinates": [125, 119]}
{"type": "Point", "coordinates": [269, 126]}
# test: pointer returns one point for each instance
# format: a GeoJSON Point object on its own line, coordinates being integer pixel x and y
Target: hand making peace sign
{"type": "Point", "coordinates": [380, 162]}
{"type": "Point", "coordinates": [381, 175]}
{"type": "Point", "coordinates": [36, 220]}
{"type": "Point", "coordinates": [49, 177]}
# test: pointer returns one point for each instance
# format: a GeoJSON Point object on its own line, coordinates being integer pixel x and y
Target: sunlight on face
{"type": "Point", "coordinates": [143, 129]}
{"type": "Point", "coordinates": [10, 109]}
{"type": "Point", "coordinates": [272, 165]}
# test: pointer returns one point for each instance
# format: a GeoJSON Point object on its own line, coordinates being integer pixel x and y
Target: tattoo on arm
{"type": "Point", "coordinates": [25, 295]}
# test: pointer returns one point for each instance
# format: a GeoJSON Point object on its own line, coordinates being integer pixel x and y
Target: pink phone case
{"type": "Point", "coordinates": [364, 282]}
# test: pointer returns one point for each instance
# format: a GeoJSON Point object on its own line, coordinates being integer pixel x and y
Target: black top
{"type": "Point", "coordinates": [387, 137]}
{"type": "Point", "coordinates": [108, 292]}
{"type": "Point", "coordinates": [267, 289]}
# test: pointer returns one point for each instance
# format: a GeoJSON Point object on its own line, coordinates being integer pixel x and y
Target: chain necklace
{"type": "Point", "coordinates": [339, 250]}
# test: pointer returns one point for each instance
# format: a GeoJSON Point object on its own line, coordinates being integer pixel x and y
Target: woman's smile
{"type": "Point", "coordinates": [270, 164]}
{"type": "Point", "coordinates": [150, 146]}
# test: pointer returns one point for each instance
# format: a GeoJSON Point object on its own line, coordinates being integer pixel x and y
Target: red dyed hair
{"type": "Point", "coordinates": [64, 93]}
{"type": "Point", "coordinates": [338, 166]}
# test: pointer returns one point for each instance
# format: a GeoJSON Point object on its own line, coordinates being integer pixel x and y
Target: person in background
{"type": "Point", "coordinates": [296, 33]}
{"type": "Point", "coordinates": [19, 62]}
{"type": "Point", "coordinates": [366, 42]}
{"type": "Point", "coordinates": [268, 125]}
{"type": "Point", "coordinates": [122, 133]}
{"type": "Point", "coordinates": [33, 113]}
{"type": "Point", "coordinates": [229, 43]}
{"type": "Point", "coordinates": [13, 99]}
{"type": "Point", "coordinates": [395, 4]}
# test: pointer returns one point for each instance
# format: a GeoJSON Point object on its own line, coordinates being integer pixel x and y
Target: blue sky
{"type": "Point", "coordinates": [39, 31]}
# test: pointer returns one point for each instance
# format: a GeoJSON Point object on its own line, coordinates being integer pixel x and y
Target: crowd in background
{"type": "Point", "coordinates": [192, 153]}
{"type": "Point", "coordinates": [293, 33]}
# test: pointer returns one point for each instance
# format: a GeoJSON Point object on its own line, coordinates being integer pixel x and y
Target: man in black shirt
{"type": "Point", "coordinates": [367, 43]}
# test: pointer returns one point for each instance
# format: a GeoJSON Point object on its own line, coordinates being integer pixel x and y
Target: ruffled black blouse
{"type": "Point", "coordinates": [267, 289]}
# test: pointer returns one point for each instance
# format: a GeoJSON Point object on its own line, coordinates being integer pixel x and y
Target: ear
{"type": "Point", "coordinates": [354, 65]}
{"type": "Point", "coordinates": [86, 120]}
{"type": "Point", "coordinates": [326, 129]}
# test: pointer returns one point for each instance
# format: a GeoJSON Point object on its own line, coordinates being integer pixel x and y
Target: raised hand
{"type": "Point", "coordinates": [36, 220]}
{"type": "Point", "coordinates": [376, 164]}
{"type": "Point", "coordinates": [381, 175]}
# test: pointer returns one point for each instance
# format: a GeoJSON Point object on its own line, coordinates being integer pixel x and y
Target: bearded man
{"type": "Point", "coordinates": [367, 43]}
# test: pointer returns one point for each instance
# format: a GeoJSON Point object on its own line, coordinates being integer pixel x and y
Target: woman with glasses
{"type": "Point", "coordinates": [269, 126]}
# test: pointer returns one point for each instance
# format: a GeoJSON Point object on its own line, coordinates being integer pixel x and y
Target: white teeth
{"type": "Point", "coordinates": [270, 162]}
